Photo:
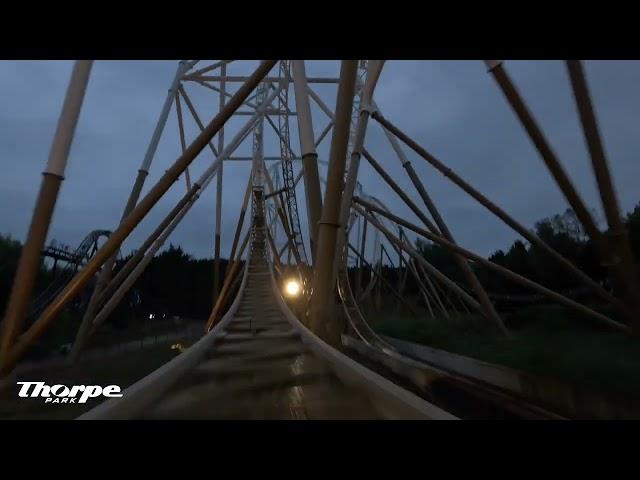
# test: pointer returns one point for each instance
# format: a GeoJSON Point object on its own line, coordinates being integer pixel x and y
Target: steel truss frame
{"type": "Point", "coordinates": [344, 196]}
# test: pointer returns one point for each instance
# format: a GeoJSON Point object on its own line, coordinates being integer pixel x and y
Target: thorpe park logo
{"type": "Point", "coordinates": [64, 394]}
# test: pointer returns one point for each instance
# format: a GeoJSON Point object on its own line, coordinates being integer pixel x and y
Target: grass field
{"type": "Point", "coordinates": [546, 340]}
{"type": "Point", "coordinates": [122, 370]}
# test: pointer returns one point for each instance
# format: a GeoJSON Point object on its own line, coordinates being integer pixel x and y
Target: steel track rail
{"type": "Point", "coordinates": [146, 391]}
{"type": "Point", "coordinates": [394, 401]}
{"type": "Point", "coordinates": [390, 400]}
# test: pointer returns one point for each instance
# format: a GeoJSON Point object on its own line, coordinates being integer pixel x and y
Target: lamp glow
{"type": "Point", "coordinates": [292, 288]}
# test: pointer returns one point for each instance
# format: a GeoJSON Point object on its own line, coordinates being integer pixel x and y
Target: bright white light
{"type": "Point", "coordinates": [150, 316]}
{"type": "Point", "coordinates": [292, 288]}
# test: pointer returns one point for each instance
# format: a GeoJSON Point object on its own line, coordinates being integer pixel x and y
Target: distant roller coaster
{"type": "Point", "coordinates": [73, 260]}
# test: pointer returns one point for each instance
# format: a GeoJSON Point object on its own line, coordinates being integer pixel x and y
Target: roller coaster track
{"type": "Point", "coordinates": [352, 311]}
{"type": "Point", "coordinates": [260, 362]}
{"type": "Point", "coordinates": [80, 255]}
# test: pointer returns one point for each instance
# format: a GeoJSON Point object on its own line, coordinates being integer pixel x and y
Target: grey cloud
{"type": "Point", "coordinates": [452, 108]}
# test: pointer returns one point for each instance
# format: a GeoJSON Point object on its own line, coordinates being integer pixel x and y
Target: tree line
{"type": "Point", "coordinates": [562, 232]}
{"type": "Point", "coordinates": [176, 283]}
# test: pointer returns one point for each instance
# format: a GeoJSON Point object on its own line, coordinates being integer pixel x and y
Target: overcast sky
{"type": "Point", "coordinates": [452, 108]}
